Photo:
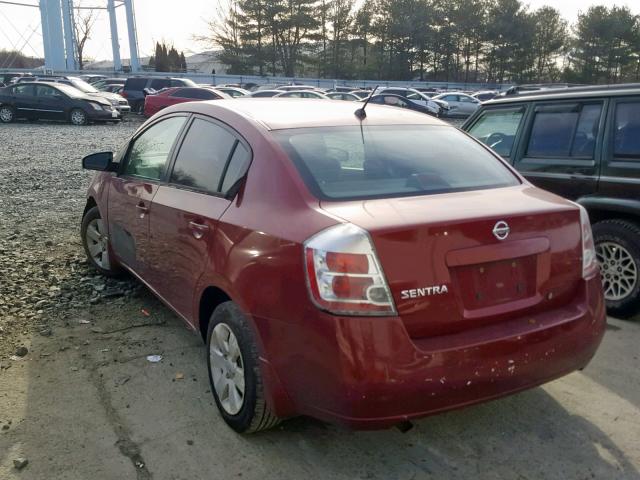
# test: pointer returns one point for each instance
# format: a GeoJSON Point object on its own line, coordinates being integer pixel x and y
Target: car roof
{"type": "Point", "coordinates": [569, 93]}
{"type": "Point", "coordinates": [285, 113]}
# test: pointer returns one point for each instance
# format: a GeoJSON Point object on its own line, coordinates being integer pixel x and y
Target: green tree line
{"type": "Point", "coordinates": [167, 59]}
{"type": "Point", "coordinates": [437, 40]}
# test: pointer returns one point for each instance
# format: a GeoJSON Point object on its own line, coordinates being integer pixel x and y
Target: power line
{"type": "Point", "coordinates": [20, 4]}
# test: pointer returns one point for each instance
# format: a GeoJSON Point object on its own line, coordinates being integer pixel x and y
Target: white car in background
{"type": "Point", "coordinates": [460, 104]}
{"type": "Point", "coordinates": [437, 108]}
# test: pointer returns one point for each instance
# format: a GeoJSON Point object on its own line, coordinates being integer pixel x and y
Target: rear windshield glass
{"type": "Point", "coordinates": [391, 161]}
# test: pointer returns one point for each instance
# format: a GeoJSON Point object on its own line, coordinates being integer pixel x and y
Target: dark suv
{"type": "Point", "coordinates": [134, 88]}
{"type": "Point", "coordinates": [584, 144]}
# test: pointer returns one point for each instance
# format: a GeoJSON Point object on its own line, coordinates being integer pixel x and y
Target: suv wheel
{"type": "Point", "coordinates": [618, 251]}
{"type": "Point", "coordinates": [234, 371]}
{"type": "Point", "coordinates": [7, 114]}
{"type": "Point", "coordinates": [96, 243]}
{"type": "Point", "coordinates": [78, 116]}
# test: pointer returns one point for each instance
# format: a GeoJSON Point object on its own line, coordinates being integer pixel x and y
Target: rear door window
{"type": "Point", "coordinates": [150, 151]}
{"type": "Point", "coordinates": [24, 90]}
{"type": "Point", "coordinates": [203, 156]}
{"type": "Point", "coordinates": [568, 130]}
{"type": "Point", "coordinates": [391, 161]}
{"type": "Point", "coordinates": [626, 134]}
{"type": "Point", "coordinates": [497, 128]}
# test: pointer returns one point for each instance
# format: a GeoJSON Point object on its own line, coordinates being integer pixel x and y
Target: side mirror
{"type": "Point", "coordinates": [101, 161]}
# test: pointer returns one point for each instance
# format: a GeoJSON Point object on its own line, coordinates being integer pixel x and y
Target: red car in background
{"type": "Point", "coordinates": [170, 96]}
{"type": "Point", "coordinates": [365, 268]}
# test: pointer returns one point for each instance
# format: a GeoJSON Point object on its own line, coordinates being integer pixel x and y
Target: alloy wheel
{"type": "Point", "coordinates": [78, 117]}
{"type": "Point", "coordinates": [6, 114]}
{"type": "Point", "coordinates": [97, 243]}
{"type": "Point", "coordinates": [619, 271]}
{"type": "Point", "coordinates": [227, 368]}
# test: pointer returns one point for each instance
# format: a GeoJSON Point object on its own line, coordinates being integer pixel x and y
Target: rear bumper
{"type": "Point", "coordinates": [367, 373]}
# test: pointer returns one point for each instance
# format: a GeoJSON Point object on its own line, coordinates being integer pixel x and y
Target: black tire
{"type": "Point", "coordinates": [625, 235]}
{"type": "Point", "coordinates": [78, 117]}
{"type": "Point", "coordinates": [110, 270]}
{"type": "Point", "coordinates": [255, 414]}
{"type": "Point", "coordinates": [7, 114]}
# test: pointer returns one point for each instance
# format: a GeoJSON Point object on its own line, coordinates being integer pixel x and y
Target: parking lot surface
{"type": "Point", "coordinates": [84, 402]}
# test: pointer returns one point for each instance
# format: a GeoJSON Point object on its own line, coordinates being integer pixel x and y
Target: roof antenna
{"type": "Point", "coordinates": [360, 113]}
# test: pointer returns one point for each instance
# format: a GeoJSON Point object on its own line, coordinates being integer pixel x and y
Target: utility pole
{"type": "Point", "coordinates": [115, 45]}
{"type": "Point", "coordinates": [69, 34]}
{"type": "Point", "coordinates": [133, 36]}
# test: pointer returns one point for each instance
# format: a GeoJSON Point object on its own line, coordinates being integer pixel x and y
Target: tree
{"type": "Point", "coordinates": [549, 42]}
{"type": "Point", "coordinates": [167, 59]}
{"type": "Point", "coordinates": [450, 40]}
{"type": "Point", "coordinates": [83, 22]}
{"type": "Point", "coordinates": [605, 47]}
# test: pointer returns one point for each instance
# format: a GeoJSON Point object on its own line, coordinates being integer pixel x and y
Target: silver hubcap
{"type": "Point", "coordinates": [6, 115]}
{"type": "Point", "coordinates": [77, 117]}
{"type": "Point", "coordinates": [619, 271]}
{"type": "Point", "coordinates": [227, 368]}
{"type": "Point", "coordinates": [97, 243]}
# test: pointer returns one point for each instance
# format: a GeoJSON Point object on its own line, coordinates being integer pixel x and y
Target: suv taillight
{"type": "Point", "coordinates": [589, 261]}
{"type": "Point", "coordinates": [344, 275]}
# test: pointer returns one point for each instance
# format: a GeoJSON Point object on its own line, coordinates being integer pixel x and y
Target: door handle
{"type": "Point", "coordinates": [198, 229]}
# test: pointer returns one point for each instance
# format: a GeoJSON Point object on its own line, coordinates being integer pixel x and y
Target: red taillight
{"type": "Point", "coordinates": [347, 262]}
{"type": "Point", "coordinates": [590, 265]}
{"type": "Point", "coordinates": [344, 275]}
{"type": "Point", "coordinates": [124, 94]}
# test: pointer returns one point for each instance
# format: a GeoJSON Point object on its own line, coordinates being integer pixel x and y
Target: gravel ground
{"type": "Point", "coordinates": [79, 400]}
{"type": "Point", "coordinates": [42, 186]}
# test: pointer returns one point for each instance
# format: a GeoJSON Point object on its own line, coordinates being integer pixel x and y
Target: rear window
{"type": "Point", "coordinates": [391, 161]}
{"type": "Point", "coordinates": [627, 130]}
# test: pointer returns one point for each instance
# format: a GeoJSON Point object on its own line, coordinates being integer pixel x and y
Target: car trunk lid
{"type": "Point", "coordinates": [448, 271]}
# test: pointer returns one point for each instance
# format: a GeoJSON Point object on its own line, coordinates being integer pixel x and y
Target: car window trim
{"type": "Point", "coordinates": [132, 140]}
{"type": "Point", "coordinates": [238, 139]}
{"type": "Point", "coordinates": [579, 160]}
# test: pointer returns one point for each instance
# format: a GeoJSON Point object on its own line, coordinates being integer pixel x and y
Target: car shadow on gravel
{"type": "Point", "coordinates": [87, 403]}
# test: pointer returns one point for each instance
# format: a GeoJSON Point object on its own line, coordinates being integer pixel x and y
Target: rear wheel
{"type": "Point", "coordinates": [618, 251]}
{"type": "Point", "coordinates": [7, 114]}
{"type": "Point", "coordinates": [78, 117]}
{"type": "Point", "coordinates": [234, 371]}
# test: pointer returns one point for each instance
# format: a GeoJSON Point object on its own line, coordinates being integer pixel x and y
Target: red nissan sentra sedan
{"type": "Point", "coordinates": [364, 270]}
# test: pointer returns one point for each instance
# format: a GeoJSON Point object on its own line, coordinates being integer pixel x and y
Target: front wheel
{"type": "Point", "coordinates": [618, 251]}
{"type": "Point", "coordinates": [234, 371]}
{"type": "Point", "coordinates": [78, 117]}
{"type": "Point", "coordinates": [7, 114]}
{"type": "Point", "coordinates": [96, 243]}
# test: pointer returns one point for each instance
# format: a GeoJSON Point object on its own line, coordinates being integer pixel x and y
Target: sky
{"type": "Point", "coordinates": [177, 22]}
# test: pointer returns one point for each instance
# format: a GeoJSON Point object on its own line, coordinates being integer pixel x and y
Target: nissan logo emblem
{"type": "Point", "coordinates": [501, 230]}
